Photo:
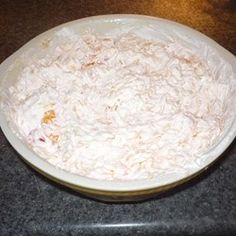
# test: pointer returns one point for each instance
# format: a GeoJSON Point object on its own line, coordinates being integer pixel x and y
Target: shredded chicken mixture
{"type": "Point", "coordinates": [119, 108]}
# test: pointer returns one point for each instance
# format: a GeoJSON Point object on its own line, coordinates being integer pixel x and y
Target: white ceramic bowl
{"type": "Point", "coordinates": [110, 190]}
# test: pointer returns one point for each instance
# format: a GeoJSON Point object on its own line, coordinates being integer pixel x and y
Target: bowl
{"type": "Point", "coordinates": [102, 189]}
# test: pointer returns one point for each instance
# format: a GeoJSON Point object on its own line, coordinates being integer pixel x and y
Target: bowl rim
{"type": "Point", "coordinates": [106, 185]}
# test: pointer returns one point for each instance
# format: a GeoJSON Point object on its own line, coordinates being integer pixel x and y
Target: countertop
{"type": "Point", "coordinates": [32, 205]}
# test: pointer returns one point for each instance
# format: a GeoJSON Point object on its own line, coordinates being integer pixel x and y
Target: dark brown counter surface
{"type": "Point", "coordinates": [32, 205]}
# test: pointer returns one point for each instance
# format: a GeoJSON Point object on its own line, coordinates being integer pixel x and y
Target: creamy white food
{"type": "Point", "coordinates": [119, 107]}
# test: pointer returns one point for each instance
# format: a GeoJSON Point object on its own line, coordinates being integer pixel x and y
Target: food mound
{"type": "Point", "coordinates": [119, 107]}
